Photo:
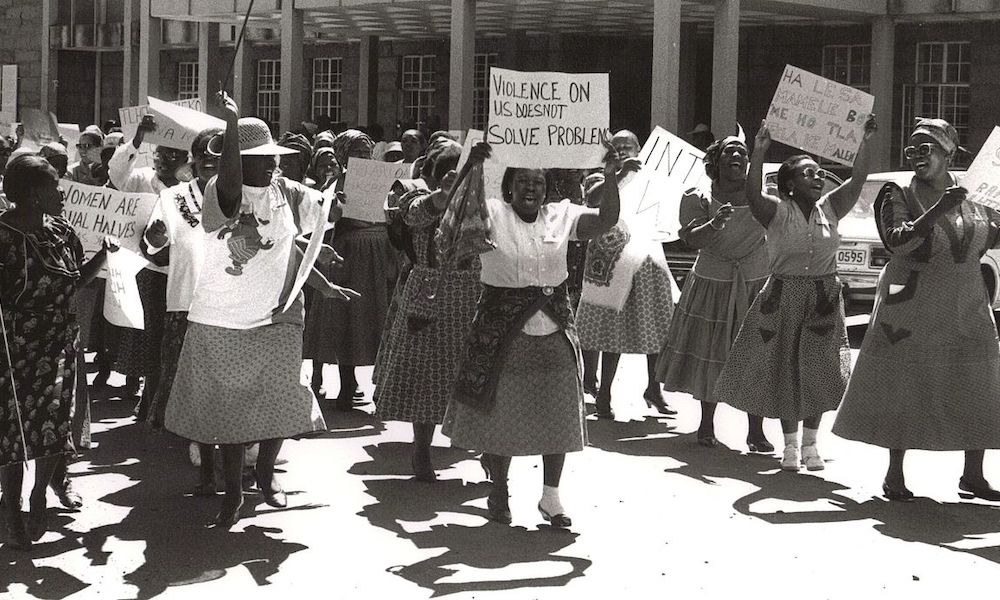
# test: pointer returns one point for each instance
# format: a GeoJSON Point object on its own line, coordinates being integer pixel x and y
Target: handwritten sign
{"type": "Point", "coordinates": [316, 228]}
{"type": "Point", "coordinates": [131, 116]}
{"type": "Point", "coordinates": [366, 186]}
{"type": "Point", "coordinates": [493, 169]}
{"type": "Point", "coordinates": [122, 304]}
{"type": "Point", "coordinates": [982, 179]}
{"type": "Point", "coordinates": [96, 212]}
{"type": "Point", "coordinates": [39, 128]}
{"type": "Point", "coordinates": [651, 198]}
{"type": "Point", "coordinates": [548, 119]}
{"type": "Point", "coordinates": [818, 115]}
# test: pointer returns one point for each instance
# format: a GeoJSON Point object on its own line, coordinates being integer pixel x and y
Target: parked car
{"type": "Point", "coordinates": [681, 257]}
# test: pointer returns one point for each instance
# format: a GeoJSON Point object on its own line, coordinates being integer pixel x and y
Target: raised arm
{"type": "Point", "coordinates": [846, 196]}
{"type": "Point", "coordinates": [229, 182]}
{"type": "Point", "coordinates": [590, 225]}
{"type": "Point", "coordinates": [762, 205]}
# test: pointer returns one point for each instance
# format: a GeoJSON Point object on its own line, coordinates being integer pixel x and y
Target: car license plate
{"type": "Point", "coordinates": [850, 256]}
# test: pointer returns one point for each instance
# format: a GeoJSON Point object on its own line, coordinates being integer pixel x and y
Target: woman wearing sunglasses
{"type": "Point", "coordinates": [790, 360]}
{"type": "Point", "coordinates": [928, 374]}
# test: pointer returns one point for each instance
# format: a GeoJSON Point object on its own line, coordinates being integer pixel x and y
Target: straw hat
{"type": "Point", "coordinates": [256, 140]}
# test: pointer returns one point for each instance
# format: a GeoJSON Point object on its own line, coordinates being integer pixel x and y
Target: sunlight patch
{"type": "Point", "coordinates": [548, 569]}
{"type": "Point", "coordinates": [778, 505]}
{"type": "Point", "coordinates": [444, 518]}
{"type": "Point", "coordinates": [976, 542]}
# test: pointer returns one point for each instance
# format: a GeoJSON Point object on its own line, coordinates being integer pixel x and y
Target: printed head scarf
{"type": "Point", "coordinates": [350, 142]}
{"type": "Point", "coordinates": [296, 141]}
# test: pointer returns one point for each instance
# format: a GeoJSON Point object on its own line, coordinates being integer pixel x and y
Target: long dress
{"type": "Point", "coordinates": [727, 275]}
{"type": "Point", "coordinates": [928, 373]}
{"type": "Point", "coordinates": [427, 335]}
{"type": "Point", "coordinates": [38, 277]}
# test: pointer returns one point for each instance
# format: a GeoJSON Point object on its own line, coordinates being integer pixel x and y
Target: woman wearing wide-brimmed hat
{"type": "Point", "coordinates": [238, 374]}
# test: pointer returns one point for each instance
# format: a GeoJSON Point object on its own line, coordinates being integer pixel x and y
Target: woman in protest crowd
{"type": "Point", "coordinates": [237, 376]}
{"type": "Point", "coordinates": [353, 330]}
{"type": "Point", "coordinates": [88, 169]}
{"type": "Point", "coordinates": [139, 349]}
{"type": "Point", "coordinates": [518, 391]}
{"type": "Point", "coordinates": [638, 325]}
{"type": "Point", "coordinates": [435, 310]}
{"type": "Point", "coordinates": [413, 144]}
{"type": "Point", "coordinates": [174, 239]}
{"type": "Point", "coordinates": [730, 270]}
{"type": "Point", "coordinates": [928, 373]}
{"type": "Point", "coordinates": [295, 166]}
{"type": "Point", "coordinates": [790, 360]}
{"type": "Point", "coordinates": [41, 266]}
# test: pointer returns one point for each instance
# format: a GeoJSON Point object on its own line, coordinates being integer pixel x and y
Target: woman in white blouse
{"type": "Point", "coordinates": [519, 391]}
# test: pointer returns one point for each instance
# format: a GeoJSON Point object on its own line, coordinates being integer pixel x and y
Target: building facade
{"type": "Point", "coordinates": [674, 63]}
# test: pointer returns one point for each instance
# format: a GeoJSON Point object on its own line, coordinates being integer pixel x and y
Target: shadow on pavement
{"type": "Point", "coordinates": [178, 549]}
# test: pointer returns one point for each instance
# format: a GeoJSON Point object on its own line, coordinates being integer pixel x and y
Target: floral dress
{"type": "Point", "coordinates": [38, 277]}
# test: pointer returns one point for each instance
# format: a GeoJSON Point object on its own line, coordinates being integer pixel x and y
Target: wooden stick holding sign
{"type": "Point", "coordinates": [548, 119]}
{"type": "Point", "coordinates": [818, 115]}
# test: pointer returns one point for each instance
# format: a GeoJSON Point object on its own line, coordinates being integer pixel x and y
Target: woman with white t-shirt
{"type": "Point", "coordinates": [238, 374]}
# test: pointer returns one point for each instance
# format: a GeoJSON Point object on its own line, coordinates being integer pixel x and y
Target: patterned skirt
{"type": "Point", "coordinates": [790, 359]}
{"type": "Point", "coordinates": [928, 373]}
{"type": "Point", "coordinates": [139, 349]}
{"type": "Point", "coordinates": [426, 343]}
{"type": "Point", "coordinates": [235, 386]}
{"type": "Point", "coordinates": [538, 407]}
{"type": "Point", "coordinates": [349, 333]}
{"type": "Point", "coordinates": [385, 345]}
{"type": "Point", "coordinates": [703, 328]}
{"type": "Point", "coordinates": [642, 325]}
{"type": "Point", "coordinates": [174, 329]}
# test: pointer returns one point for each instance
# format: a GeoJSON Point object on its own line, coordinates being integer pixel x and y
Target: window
{"type": "Point", "coordinates": [326, 87]}
{"type": "Point", "coordinates": [481, 88]}
{"type": "Point", "coordinates": [187, 80]}
{"type": "Point", "coordinates": [418, 88]}
{"type": "Point", "coordinates": [941, 91]}
{"type": "Point", "coordinates": [268, 90]}
{"type": "Point", "coordinates": [850, 65]}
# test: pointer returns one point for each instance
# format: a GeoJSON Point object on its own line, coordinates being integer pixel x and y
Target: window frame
{"type": "Point", "coordinates": [268, 90]}
{"type": "Point", "coordinates": [187, 92]}
{"type": "Point", "coordinates": [330, 91]}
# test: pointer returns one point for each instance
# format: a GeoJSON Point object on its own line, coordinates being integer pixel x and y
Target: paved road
{"type": "Point", "coordinates": [655, 515]}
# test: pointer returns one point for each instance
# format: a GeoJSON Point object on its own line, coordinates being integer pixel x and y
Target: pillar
{"type": "Point", "coordinates": [665, 84]}
{"type": "Point", "coordinates": [725, 66]}
{"type": "Point", "coordinates": [209, 62]}
{"type": "Point", "coordinates": [150, 41]}
{"type": "Point", "coordinates": [50, 59]}
{"type": "Point", "coordinates": [242, 84]}
{"type": "Point", "coordinates": [463, 49]}
{"type": "Point", "coordinates": [130, 64]}
{"type": "Point", "coordinates": [291, 107]}
{"type": "Point", "coordinates": [882, 76]}
{"type": "Point", "coordinates": [368, 81]}
{"type": "Point", "coordinates": [98, 79]}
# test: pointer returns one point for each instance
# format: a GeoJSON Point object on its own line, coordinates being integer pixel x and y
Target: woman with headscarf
{"type": "Point", "coordinates": [295, 166]}
{"type": "Point", "coordinates": [928, 373]}
{"type": "Point", "coordinates": [730, 270]}
{"type": "Point", "coordinates": [518, 391]}
{"type": "Point", "coordinates": [41, 266]}
{"type": "Point", "coordinates": [790, 359]}
{"type": "Point", "coordinates": [435, 310]}
{"type": "Point", "coordinates": [627, 300]}
{"type": "Point", "coordinates": [352, 331]}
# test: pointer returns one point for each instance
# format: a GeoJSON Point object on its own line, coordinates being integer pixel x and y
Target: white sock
{"type": "Point", "coordinates": [809, 436]}
{"type": "Point", "coordinates": [550, 500]}
{"type": "Point", "coordinates": [792, 439]}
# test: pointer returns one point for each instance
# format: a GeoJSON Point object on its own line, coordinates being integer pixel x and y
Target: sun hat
{"type": "Point", "coordinates": [52, 149]}
{"type": "Point", "coordinates": [940, 130]}
{"type": "Point", "coordinates": [114, 139]}
{"type": "Point", "coordinates": [256, 140]}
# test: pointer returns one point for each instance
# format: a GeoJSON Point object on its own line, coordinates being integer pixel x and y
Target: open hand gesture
{"type": "Point", "coordinates": [762, 140]}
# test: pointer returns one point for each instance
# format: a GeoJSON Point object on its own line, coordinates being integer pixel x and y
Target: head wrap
{"type": "Point", "coordinates": [323, 139]}
{"type": "Point", "coordinates": [714, 152]}
{"type": "Point", "coordinates": [324, 151]}
{"type": "Point", "coordinates": [52, 149]}
{"type": "Point", "coordinates": [296, 141]}
{"type": "Point", "coordinates": [348, 141]}
{"type": "Point", "coordinates": [940, 131]}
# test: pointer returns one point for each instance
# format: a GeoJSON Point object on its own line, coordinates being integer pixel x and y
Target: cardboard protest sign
{"type": "Point", "coordinates": [316, 228]}
{"type": "Point", "coordinates": [39, 128]}
{"type": "Point", "coordinates": [982, 179]}
{"type": "Point", "coordinates": [492, 169]}
{"type": "Point", "coordinates": [366, 186]}
{"type": "Point", "coordinates": [96, 212]}
{"type": "Point", "coordinates": [130, 116]}
{"type": "Point", "coordinates": [818, 115]}
{"type": "Point", "coordinates": [548, 119]}
{"type": "Point", "coordinates": [651, 198]}
{"type": "Point", "coordinates": [122, 305]}
{"type": "Point", "coordinates": [71, 133]}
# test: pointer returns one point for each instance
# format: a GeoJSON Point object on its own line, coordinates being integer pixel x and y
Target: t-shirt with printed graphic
{"type": "Point", "coordinates": [250, 261]}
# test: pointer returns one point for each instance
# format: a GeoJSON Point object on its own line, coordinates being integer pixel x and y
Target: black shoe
{"type": "Point", "coordinates": [66, 494]}
{"type": "Point", "coordinates": [17, 536]}
{"type": "Point", "coordinates": [707, 439]}
{"type": "Point", "coordinates": [761, 446]}
{"type": "Point", "coordinates": [590, 387]}
{"type": "Point", "coordinates": [497, 507]}
{"type": "Point", "coordinates": [560, 521]}
{"type": "Point", "coordinates": [654, 399]}
{"type": "Point", "coordinates": [977, 490]}
{"type": "Point", "coordinates": [228, 515]}
{"type": "Point", "coordinates": [902, 495]}
{"type": "Point", "coordinates": [604, 408]}
{"type": "Point", "coordinates": [272, 493]}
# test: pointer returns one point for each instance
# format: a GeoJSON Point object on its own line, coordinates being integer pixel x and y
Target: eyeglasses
{"type": "Point", "coordinates": [919, 151]}
{"type": "Point", "coordinates": [810, 173]}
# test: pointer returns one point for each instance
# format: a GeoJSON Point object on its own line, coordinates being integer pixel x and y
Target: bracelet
{"type": "Point", "coordinates": [711, 223]}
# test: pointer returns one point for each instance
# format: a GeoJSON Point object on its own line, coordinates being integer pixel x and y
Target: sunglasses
{"type": "Point", "coordinates": [919, 151]}
{"type": "Point", "coordinates": [810, 173]}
